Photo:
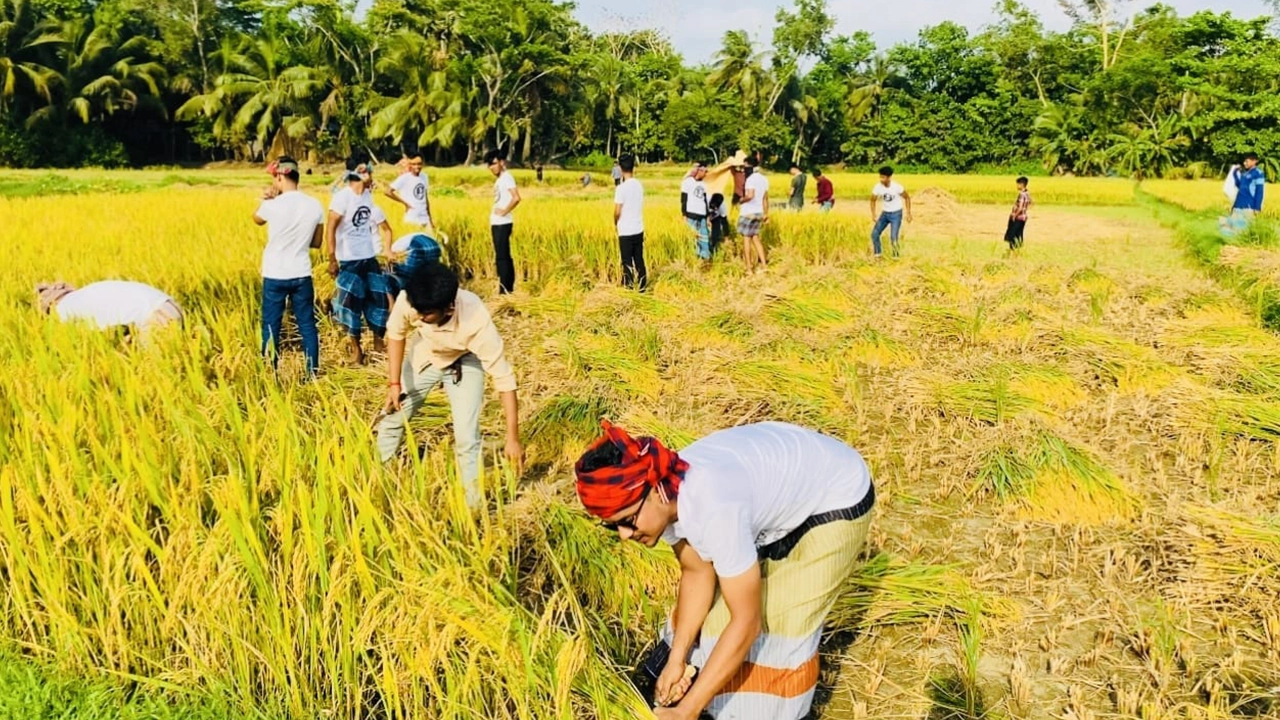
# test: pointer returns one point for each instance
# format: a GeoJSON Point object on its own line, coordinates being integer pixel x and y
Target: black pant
{"type": "Point", "coordinates": [502, 251]}
{"type": "Point", "coordinates": [1013, 233]}
{"type": "Point", "coordinates": [633, 261]}
{"type": "Point", "coordinates": [719, 230]}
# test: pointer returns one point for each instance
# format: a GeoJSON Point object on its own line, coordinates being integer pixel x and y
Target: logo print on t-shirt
{"type": "Point", "coordinates": [419, 191]}
{"type": "Point", "coordinates": [361, 216]}
{"type": "Point", "coordinates": [888, 197]}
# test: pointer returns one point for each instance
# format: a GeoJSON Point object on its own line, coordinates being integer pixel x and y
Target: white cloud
{"type": "Point", "coordinates": [696, 28]}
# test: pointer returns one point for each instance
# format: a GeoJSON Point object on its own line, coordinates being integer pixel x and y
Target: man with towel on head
{"type": "Point", "coordinates": [110, 303]}
{"type": "Point", "coordinates": [767, 521]}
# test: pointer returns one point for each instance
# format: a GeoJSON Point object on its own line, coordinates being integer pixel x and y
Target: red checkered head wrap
{"type": "Point", "coordinates": [645, 463]}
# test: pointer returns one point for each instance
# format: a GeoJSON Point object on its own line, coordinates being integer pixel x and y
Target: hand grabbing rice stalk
{"type": "Point", "coordinates": [766, 499]}
{"type": "Point", "coordinates": [674, 683]}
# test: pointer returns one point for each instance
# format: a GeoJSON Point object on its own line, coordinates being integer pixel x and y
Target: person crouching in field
{"type": "Point", "coordinates": [414, 250]}
{"type": "Point", "coordinates": [717, 220]}
{"type": "Point", "coordinates": [295, 225]}
{"type": "Point", "coordinates": [456, 344]}
{"type": "Point", "coordinates": [767, 522]}
{"type": "Point", "coordinates": [363, 291]}
{"type": "Point", "coordinates": [110, 304]}
{"type": "Point", "coordinates": [1014, 233]}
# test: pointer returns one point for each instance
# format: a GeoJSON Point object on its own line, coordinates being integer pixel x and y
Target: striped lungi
{"type": "Point", "coordinates": [801, 577]}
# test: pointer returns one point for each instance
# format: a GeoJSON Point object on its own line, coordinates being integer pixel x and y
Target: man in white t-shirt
{"type": "Point", "coordinates": [110, 303]}
{"type": "Point", "coordinates": [767, 521]}
{"type": "Point", "coordinates": [895, 202]}
{"type": "Point", "coordinates": [693, 205]}
{"type": "Point", "coordinates": [362, 290]}
{"type": "Point", "coordinates": [506, 196]}
{"type": "Point", "coordinates": [412, 190]}
{"type": "Point", "coordinates": [295, 225]}
{"type": "Point", "coordinates": [753, 214]}
{"type": "Point", "coordinates": [628, 217]}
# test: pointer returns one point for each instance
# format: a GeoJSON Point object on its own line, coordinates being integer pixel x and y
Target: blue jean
{"type": "Point", "coordinates": [301, 294]}
{"type": "Point", "coordinates": [891, 220]}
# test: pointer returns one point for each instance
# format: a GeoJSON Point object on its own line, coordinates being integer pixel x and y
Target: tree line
{"type": "Point", "coordinates": [1131, 92]}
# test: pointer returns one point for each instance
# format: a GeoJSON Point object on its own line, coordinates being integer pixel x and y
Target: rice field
{"type": "Point", "coordinates": [1199, 195]}
{"type": "Point", "coordinates": [1075, 451]}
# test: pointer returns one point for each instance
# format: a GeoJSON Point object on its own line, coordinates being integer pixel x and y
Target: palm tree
{"type": "Point", "coordinates": [612, 87]}
{"type": "Point", "coordinates": [429, 105]}
{"type": "Point", "coordinates": [867, 89]}
{"type": "Point", "coordinates": [25, 44]}
{"type": "Point", "coordinates": [267, 97]}
{"type": "Point", "coordinates": [738, 66]}
{"type": "Point", "coordinates": [98, 76]}
{"type": "Point", "coordinates": [805, 111]}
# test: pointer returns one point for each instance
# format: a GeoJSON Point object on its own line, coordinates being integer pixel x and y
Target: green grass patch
{"type": "Point", "coordinates": [32, 691]}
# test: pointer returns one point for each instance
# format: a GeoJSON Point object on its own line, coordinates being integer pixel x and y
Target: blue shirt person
{"type": "Point", "coordinates": [1250, 184]}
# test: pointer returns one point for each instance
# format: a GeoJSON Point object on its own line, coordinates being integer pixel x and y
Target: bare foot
{"type": "Point", "coordinates": [379, 344]}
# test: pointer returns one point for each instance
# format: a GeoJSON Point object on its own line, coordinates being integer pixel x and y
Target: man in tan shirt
{"type": "Point", "coordinates": [456, 344]}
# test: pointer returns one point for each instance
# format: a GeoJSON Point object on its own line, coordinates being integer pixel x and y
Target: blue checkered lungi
{"type": "Point", "coordinates": [423, 250]}
{"type": "Point", "coordinates": [362, 289]}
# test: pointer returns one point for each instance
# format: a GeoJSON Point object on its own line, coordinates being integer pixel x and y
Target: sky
{"type": "Point", "coordinates": [696, 27]}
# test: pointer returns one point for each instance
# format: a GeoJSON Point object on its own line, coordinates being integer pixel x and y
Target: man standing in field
{"type": "Point", "coordinates": [628, 217]}
{"type": "Point", "coordinates": [767, 522]}
{"type": "Point", "coordinates": [616, 173]}
{"type": "Point", "coordinates": [693, 204]}
{"type": "Point", "coordinates": [456, 344]}
{"type": "Point", "coordinates": [752, 216]}
{"type": "Point", "coordinates": [362, 287]}
{"type": "Point", "coordinates": [411, 190]}
{"type": "Point", "coordinates": [798, 181]}
{"type": "Point", "coordinates": [1251, 181]}
{"type": "Point", "coordinates": [826, 194]}
{"type": "Point", "coordinates": [109, 304]}
{"type": "Point", "coordinates": [894, 203]}
{"type": "Point", "coordinates": [1013, 234]}
{"type": "Point", "coordinates": [506, 196]}
{"type": "Point", "coordinates": [295, 225]}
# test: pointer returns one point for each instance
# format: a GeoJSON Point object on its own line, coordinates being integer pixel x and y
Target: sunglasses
{"type": "Point", "coordinates": [628, 522]}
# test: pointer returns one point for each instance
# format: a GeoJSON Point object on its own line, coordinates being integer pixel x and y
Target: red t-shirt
{"type": "Point", "coordinates": [825, 191]}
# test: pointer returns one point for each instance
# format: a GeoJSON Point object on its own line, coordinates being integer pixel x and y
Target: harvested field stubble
{"type": "Point", "coordinates": [1075, 452]}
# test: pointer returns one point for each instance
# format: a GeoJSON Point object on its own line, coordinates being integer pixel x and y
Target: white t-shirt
{"type": "Point", "coordinates": [890, 197]}
{"type": "Point", "coordinates": [751, 485]}
{"type": "Point", "coordinates": [112, 302]}
{"type": "Point", "coordinates": [696, 202]}
{"type": "Point", "coordinates": [413, 190]}
{"type": "Point", "coordinates": [759, 184]}
{"type": "Point", "coordinates": [292, 219]}
{"type": "Point", "coordinates": [357, 233]}
{"type": "Point", "coordinates": [502, 188]}
{"type": "Point", "coordinates": [630, 195]}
